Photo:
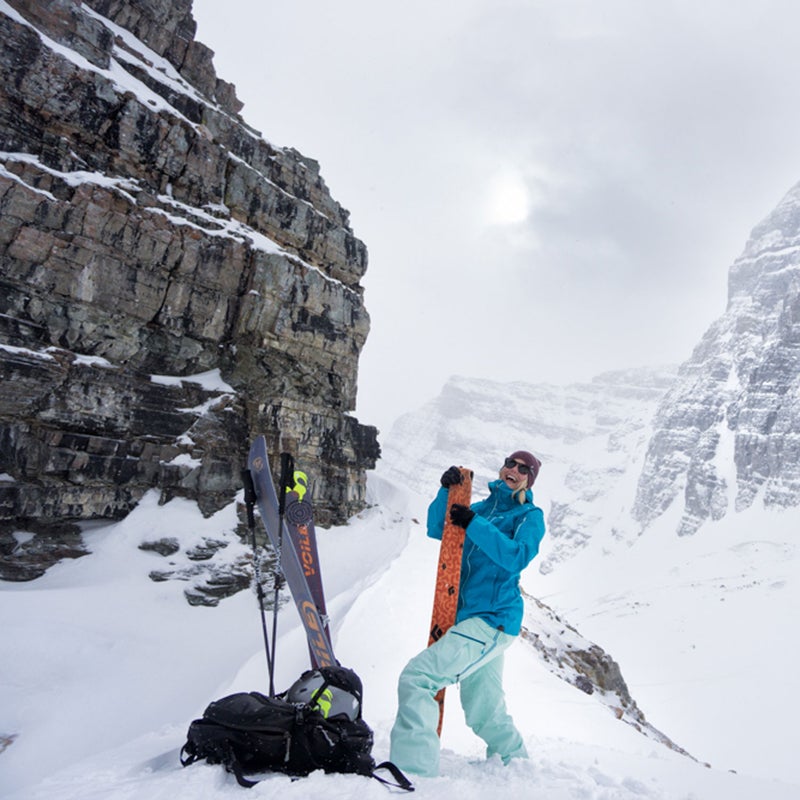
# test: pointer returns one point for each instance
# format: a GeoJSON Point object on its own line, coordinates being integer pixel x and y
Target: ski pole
{"type": "Point", "coordinates": [287, 469]}
{"type": "Point", "coordinates": [250, 501]}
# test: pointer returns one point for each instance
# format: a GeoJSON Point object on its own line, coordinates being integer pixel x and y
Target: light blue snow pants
{"type": "Point", "coordinates": [470, 653]}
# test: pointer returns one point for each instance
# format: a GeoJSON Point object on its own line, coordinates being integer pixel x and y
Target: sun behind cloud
{"type": "Point", "coordinates": [509, 201]}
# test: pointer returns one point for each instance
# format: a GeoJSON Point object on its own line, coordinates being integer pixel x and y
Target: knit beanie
{"type": "Point", "coordinates": [528, 458]}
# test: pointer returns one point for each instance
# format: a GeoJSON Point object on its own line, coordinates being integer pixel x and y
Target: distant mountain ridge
{"type": "Point", "coordinates": [591, 438]}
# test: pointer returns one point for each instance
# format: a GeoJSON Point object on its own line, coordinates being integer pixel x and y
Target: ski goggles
{"type": "Point", "coordinates": [523, 469]}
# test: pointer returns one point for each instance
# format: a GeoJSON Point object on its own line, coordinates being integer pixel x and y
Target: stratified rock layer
{"type": "Point", "coordinates": [148, 236]}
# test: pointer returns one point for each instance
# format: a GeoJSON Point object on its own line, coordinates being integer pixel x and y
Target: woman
{"type": "Point", "coordinates": [503, 534]}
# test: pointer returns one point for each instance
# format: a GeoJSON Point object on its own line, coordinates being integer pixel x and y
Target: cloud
{"type": "Point", "coordinates": [635, 146]}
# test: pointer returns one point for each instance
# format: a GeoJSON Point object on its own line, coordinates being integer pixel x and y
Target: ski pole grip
{"type": "Point", "coordinates": [287, 473]}
{"type": "Point", "coordinates": [249, 496]}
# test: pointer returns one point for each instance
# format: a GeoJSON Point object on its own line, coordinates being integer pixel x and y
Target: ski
{"type": "Point", "coordinates": [448, 572]}
{"type": "Point", "coordinates": [299, 516]}
{"type": "Point", "coordinates": [290, 564]}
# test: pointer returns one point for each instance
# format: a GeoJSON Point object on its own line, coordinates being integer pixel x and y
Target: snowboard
{"type": "Point", "coordinates": [290, 562]}
{"type": "Point", "coordinates": [299, 516]}
{"type": "Point", "coordinates": [448, 572]}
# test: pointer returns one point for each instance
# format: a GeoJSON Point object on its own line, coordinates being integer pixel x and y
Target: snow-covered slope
{"type": "Point", "coordinates": [103, 669]}
{"type": "Point", "coordinates": [703, 629]}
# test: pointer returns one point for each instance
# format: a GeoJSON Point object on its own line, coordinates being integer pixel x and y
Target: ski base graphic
{"type": "Point", "coordinates": [448, 573]}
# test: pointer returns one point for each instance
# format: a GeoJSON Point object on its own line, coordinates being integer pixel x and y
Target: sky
{"type": "Point", "coordinates": [547, 190]}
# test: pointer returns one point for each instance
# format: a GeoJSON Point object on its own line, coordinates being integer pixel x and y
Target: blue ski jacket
{"type": "Point", "coordinates": [501, 540]}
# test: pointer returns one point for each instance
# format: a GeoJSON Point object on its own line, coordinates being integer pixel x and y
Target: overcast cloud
{"type": "Point", "coordinates": [547, 190]}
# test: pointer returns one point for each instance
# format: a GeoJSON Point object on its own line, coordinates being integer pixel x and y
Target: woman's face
{"type": "Point", "coordinates": [512, 476]}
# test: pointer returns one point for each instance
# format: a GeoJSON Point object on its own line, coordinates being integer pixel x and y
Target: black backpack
{"type": "Point", "coordinates": [251, 733]}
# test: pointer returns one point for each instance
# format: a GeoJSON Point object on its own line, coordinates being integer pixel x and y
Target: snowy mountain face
{"type": "Point", "coordinates": [590, 437]}
{"type": "Point", "coordinates": [728, 432]}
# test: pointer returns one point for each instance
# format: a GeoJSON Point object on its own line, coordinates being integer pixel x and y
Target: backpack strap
{"type": "Point", "coordinates": [232, 765]}
{"type": "Point", "coordinates": [401, 781]}
{"type": "Point", "coordinates": [188, 755]}
{"type": "Point", "coordinates": [316, 696]}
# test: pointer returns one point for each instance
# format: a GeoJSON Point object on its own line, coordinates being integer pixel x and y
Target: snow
{"type": "Point", "coordinates": [73, 178]}
{"type": "Point", "coordinates": [185, 460]}
{"type": "Point", "coordinates": [11, 176]}
{"type": "Point", "coordinates": [93, 361]}
{"type": "Point", "coordinates": [211, 381]}
{"type": "Point", "coordinates": [26, 351]}
{"type": "Point", "coordinates": [701, 626]}
{"type": "Point", "coordinates": [103, 669]}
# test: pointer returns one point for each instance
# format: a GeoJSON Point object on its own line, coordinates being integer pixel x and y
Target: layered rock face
{"type": "Point", "coordinates": [171, 286]}
{"type": "Point", "coordinates": [728, 432]}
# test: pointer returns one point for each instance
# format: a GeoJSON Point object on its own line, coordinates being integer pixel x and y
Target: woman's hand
{"type": "Point", "coordinates": [461, 515]}
{"type": "Point", "coordinates": [452, 477]}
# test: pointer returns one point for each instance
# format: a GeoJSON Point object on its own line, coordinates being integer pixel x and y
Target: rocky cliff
{"type": "Point", "coordinates": [728, 432]}
{"type": "Point", "coordinates": [171, 285]}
